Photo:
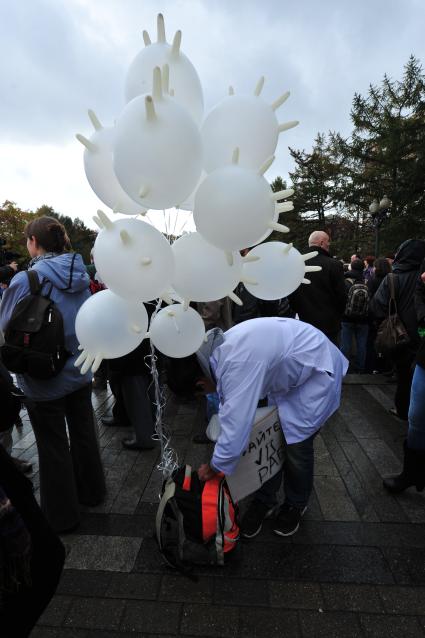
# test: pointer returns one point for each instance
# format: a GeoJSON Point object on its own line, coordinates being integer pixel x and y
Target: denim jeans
{"type": "Point", "coordinates": [359, 331]}
{"type": "Point", "coordinates": [416, 431]}
{"type": "Point", "coordinates": [297, 476]}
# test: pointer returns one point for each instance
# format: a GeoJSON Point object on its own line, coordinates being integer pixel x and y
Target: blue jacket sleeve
{"type": "Point", "coordinates": [240, 390]}
{"type": "Point", "coordinates": [19, 288]}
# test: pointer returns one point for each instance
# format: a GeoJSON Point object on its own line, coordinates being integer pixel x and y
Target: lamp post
{"type": "Point", "coordinates": [379, 212]}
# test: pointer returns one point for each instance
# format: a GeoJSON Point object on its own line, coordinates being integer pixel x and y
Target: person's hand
{"type": "Point", "coordinates": [423, 277]}
{"type": "Point", "coordinates": [13, 265]}
{"type": "Point", "coordinates": [205, 472]}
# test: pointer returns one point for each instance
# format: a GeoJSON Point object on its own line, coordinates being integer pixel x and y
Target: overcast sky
{"type": "Point", "coordinates": [60, 57]}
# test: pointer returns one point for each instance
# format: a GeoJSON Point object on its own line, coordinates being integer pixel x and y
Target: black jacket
{"type": "Point", "coordinates": [420, 314]}
{"type": "Point", "coordinates": [322, 303]}
{"type": "Point", "coordinates": [406, 270]}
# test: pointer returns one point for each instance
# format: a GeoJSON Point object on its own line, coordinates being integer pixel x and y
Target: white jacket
{"type": "Point", "coordinates": [289, 361]}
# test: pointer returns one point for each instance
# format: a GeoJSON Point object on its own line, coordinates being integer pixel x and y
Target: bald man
{"type": "Point", "coordinates": [322, 303]}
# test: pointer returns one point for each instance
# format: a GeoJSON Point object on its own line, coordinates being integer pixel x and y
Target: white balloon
{"type": "Point", "coordinates": [101, 176]}
{"type": "Point", "coordinates": [134, 259]}
{"type": "Point", "coordinates": [278, 272]}
{"type": "Point", "coordinates": [202, 271]}
{"type": "Point", "coordinates": [108, 326]}
{"type": "Point", "coordinates": [233, 208]}
{"type": "Point", "coordinates": [157, 156]}
{"type": "Point", "coordinates": [184, 80]}
{"type": "Point", "coordinates": [177, 332]}
{"type": "Point", "coordinates": [243, 121]}
{"type": "Point", "coordinates": [189, 203]}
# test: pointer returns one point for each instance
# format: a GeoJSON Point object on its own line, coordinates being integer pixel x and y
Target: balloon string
{"type": "Point", "coordinates": [169, 461]}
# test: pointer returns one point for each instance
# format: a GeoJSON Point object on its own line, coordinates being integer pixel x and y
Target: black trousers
{"type": "Point", "coordinates": [21, 609]}
{"type": "Point", "coordinates": [134, 404]}
{"type": "Point", "coordinates": [71, 472]}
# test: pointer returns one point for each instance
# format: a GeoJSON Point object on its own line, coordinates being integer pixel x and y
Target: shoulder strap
{"type": "Point", "coordinates": [34, 282]}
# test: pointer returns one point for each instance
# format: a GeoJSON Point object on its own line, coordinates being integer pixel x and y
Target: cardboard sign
{"type": "Point", "coordinates": [263, 457]}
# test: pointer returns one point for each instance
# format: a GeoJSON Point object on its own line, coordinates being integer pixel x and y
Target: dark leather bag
{"type": "Point", "coordinates": [392, 335]}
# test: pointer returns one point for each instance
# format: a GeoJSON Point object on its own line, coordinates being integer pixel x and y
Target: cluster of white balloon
{"type": "Point", "coordinates": [160, 154]}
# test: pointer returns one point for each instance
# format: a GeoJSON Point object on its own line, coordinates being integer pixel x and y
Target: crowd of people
{"type": "Point", "coordinates": [291, 353]}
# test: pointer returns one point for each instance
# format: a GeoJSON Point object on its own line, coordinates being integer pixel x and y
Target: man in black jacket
{"type": "Point", "coordinates": [323, 302]}
{"type": "Point", "coordinates": [7, 272]}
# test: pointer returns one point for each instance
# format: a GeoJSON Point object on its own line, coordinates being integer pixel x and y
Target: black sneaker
{"type": "Point", "coordinates": [252, 521]}
{"type": "Point", "coordinates": [288, 520]}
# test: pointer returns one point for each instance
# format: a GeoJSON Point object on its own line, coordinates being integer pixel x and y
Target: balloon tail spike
{"type": "Point", "coordinates": [80, 359]}
{"type": "Point", "coordinates": [157, 84]}
{"type": "Point", "coordinates": [94, 120]}
{"type": "Point", "coordinates": [135, 328]}
{"type": "Point", "coordinates": [175, 48]}
{"type": "Point", "coordinates": [235, 299]}
{"type": "Point", "coordinates": [144, 190]}
{"type": "Point", "coordinates": [287, 248]}
{"type": "Point", "coordinates": [248, 280]}
{"type": "Point", "coordinates": [148, 335]}
{"type": "Point", "coordinates": [97, 222]}
{"type": "Point", "coordinates": [235, 156]}
{"type": "Point", "coordinates": [160, 27]}
{"type": "Point", "coordinates": [186, 303]}
{"type": "Point", "coordinates": [231, 90]}
{"type": "Point", "coordinates": [229, 258]}
{"type": "Point", "coordinates": [280, 100]}
{"type": "Point", "coordinates": [167, 299]}
{"type": "Point", "coordinates": [166, 78]}
{"type": "Point", "coordinates": [279, 227]}
{"type": "Point", "coordinates": [80, 347]}
{"type": "Point", "coordinates": [125, 237]}
{"type": "Point", "coordinates": [287, 125]}
{"type": "Point", "coordinates": [87, 364]}
{"type": "Point", "coordinates": [259, 86]}
{"type": "Point", "coordinates": [105, 220]}
{"type": "Point", "coordinates": [150, 109]}
{"type": "Point", "coordinates": [308, 256]}
{"type": "Point", "coordinates": [250, 259]}
{"type": "Point", "coordinates": [116, 208]}
{"type": "Point", "coordinates": [265, 167]}
{"type": "Point", "coordinates": [288, 192]}
{"type": "Point", "coordinates": [285, 208]}
{"type": "Point", "coordinates": [143, 213]}
{"type": "Point", "coordinates": [171, 313]}
{"type": "Point", "coordinates": [92, 148]}
{"type": "Point", "coordinates": [146, 38]}
{"type": "Point", "coordinates": [146, 261]}
{"type": "Point", "coordinates": [305, 281]}
{"type": "Point", "coordinates": [96, 365]}
{"type": "Point", "coordinates": [313, 268]}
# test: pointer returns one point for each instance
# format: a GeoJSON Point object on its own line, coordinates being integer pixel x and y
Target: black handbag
{"type": "Point", "coordinates": [392, 334]}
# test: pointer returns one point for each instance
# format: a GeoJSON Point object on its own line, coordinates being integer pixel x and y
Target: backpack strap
{"type": "Point", "coordinates": [34, 282]}
{"type": "Point", "coordinates": [169, 491]}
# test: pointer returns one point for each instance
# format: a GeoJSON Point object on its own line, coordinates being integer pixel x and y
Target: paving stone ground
{"type": "Point", "coordinates": [355, 568]}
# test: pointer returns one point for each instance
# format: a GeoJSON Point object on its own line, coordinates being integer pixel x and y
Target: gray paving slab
{"type": "Point", "coordinates": [355, 568]}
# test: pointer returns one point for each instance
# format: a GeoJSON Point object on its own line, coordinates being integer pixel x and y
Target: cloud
{"type": "Point", "coordinates": [64, 56]}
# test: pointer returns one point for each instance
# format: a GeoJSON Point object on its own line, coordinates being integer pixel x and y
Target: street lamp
{"type": "Point", "coordinates": [379, 213]}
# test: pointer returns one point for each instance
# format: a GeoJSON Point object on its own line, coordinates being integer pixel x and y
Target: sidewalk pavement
{"type": "Point", "coordinates": [355, 568]}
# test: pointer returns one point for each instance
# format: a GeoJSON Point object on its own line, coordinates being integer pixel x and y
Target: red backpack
{"type": "Point", "coordinates": [196, 522]}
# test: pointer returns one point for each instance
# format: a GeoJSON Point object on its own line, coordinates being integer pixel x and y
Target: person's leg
{"type": "Point", "coordinates": [6, 440]}
{"type": "Point", "coordinates": [262, 506]}
{"type": "Point", "coordinates": [58, 492]}
{"type": "Point", "coordinates": [298, 484]}
{"type": "Point", "coordinates": [361, 331]}
{"type": "Point", "coordinates": [404, 369]}
{"type": "Point", "coordinates": [85, 453]}
{"type": "Point", "coordinates": [138, 407]}
{"type": "Point", "coordinates": [119, 414]}
{"type": "Point", "coordinates": [346, 338]}
{"type": "Point", "coordinates": [416, 431]}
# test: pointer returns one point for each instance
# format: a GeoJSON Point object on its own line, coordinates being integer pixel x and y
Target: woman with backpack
{"type": "Point", "coordinates": [406, 266]}
{"type": "Point", "coordinates": [71, 472]}
{"type": "Point", "coordinates": [355, 322]}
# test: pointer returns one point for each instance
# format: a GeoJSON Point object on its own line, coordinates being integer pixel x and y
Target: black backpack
{"type": "Point", "coordinates": [34, 337]}
{"type": "Point", "coordinates": [196, 522]}
{"type": "Point", "coordinates": [357, 305]}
